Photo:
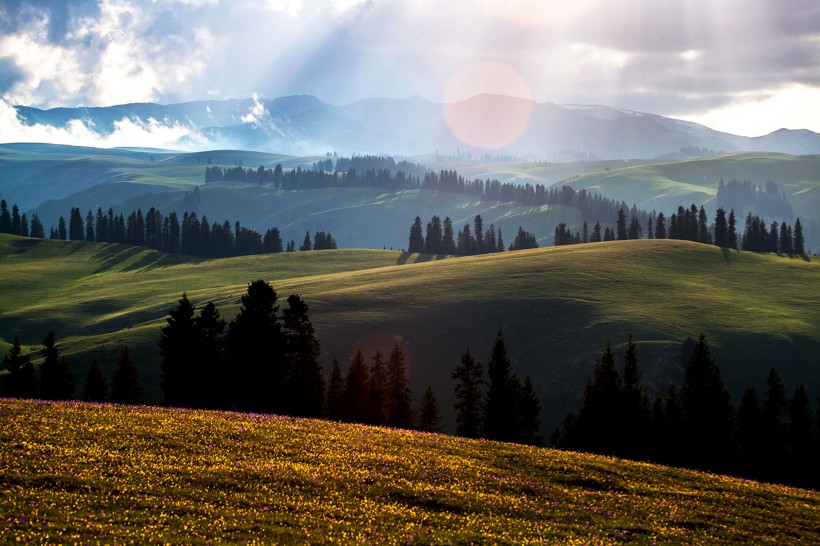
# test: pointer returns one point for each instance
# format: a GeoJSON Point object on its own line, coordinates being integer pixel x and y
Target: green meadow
{"type": "Point", "coordinates": [86, 473]}
{"type": "Point", "coordinates": [557, 307]}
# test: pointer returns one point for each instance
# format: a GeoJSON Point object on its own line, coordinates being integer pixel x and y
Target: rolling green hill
{"type": "Point", "coordinates": [557, 306]}
{"type": "Point", "coordinates": [85, 473]}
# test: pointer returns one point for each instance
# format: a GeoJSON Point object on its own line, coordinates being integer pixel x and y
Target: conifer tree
{"type": "Point", "coordinates": [596, 233]}
{"type": "Point", "coordinates": [469, 378]}
{"type": "Point", "coordinates": [398, 399]}
{"type": "Point", "coordinates": [731, 231]}
{"type": "Point", "coordinates": [448, 244]}
{"type": "Point", "coordinates": [306, 244]}
{"type": "Point", "coordinates": [5, 217]}
{"type": "Point", "coordinates": [634, 231]}
{"type": "Point", "coordinates": [178, 344]}
{"type": "Point", "coordinates": [416, 241]}
{"type": "Point", "coordinates": [355, 394]}
{"type": "Point", "coordinates": [600, 420]}
{"type": "Point", "coordinates": [479, 234]}
{"type": "Point", "coordinates": [799, 244]}
{"type": "Point", "coordinates": [801, 464]}
{"type": "Point", "coordinates": [376, 406]}
{"type": "Point", "coordinates": [95, 388]}
{"type": "Point", "coordinates": [773, 428]}
{"type": "Point", "coordinates": [255, 352]}
{"type": "Point", "coordinates": [500, 419]}
{"type": "Point", "coordinates": [334, 399]}
{"type": "Point", "coordinates": [56, 380]}
{"type": "Point", "coordinates": [621, 226]}
{"type": "Point", "coordinates": [306, 385]}
{"type": "Point", "coordinates": [429, 412]}
{"type": "Point", "coordinates": [748, 424]}
{"type": "Point", "coordinates": [208, 375]}
{"type": "Point", "coordinates": [62, 233]}
{"type": "Point", "coordinates": [530, 411]}
{"type": "Point", "coordinates": [635, 440]}
{"type": "Point", "coordinates": [720, 228]}
{"type": "Point", "coordinates": [706, 413]}
{"type": "Point", "coordinates": [125, 382]}
{"type": "Point", "coordinates": [660, 226]}
{"type": "Point", "coordinates": [16, 364]}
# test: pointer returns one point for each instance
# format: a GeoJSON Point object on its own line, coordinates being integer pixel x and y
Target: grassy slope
{"type": "Point", "coordinates": [663, 186]}
{"type": "Point", "coordinates": [83, 473]}
{"type": "Point", "coordinates": [557, 306]}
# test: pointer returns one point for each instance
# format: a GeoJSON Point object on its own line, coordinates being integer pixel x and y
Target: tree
{"type": "Point", "coordinates": [479, 234]}
{"type": "Point", "coordinates": [799, 244]}
{"type": "Point", "coordinates": [334, 399]}
{"type": "Point", "coordinates": [750, 441]}
{"type": "Point", "coordinates": [375, 413]}
{"type": "Point", "coordinates": [61, 229]}
{"type": "Point", "coordinates": [523, 240]}
{"type": "Point", "coordinates": [306, 244]}
{"type": "Point", "coordinates": [355, 394]}
{"type": "Point", "coordinates": [634, 228]}
{"type": "Point", "coordinates": [596, 233]}
{"type": "Point", "coordinates": [89, 227]}
{"type": "Point", "coordinates": [178, 344]}
{"type": "Point", "coordinates": [634, 407]}
{"type": "Point", "coordinates": [500, 407]}
{"type": "Point", "coordinates": [429, 413]}
{"type": "Point", "coordinates": [416, 241]}
{"type": "Point", "coordinates": [660, 226]}
{"type": "Point", "coordinates": [16, 228]}
{"type": "Point", "coordinates": [95, 388]}
{"type": "Point", "coordinates": [703, 228]}
{"type": "Point", "coordinates": [530, 412]}
{"type": "Point", "coordinates": [731, 231]}
{"type": "Point", "coordinates": [706, 413]}
{"type": "Point", "coordinates": [208, 375]}
{"type": "Point", "coordinates": [801, 465]}
{"type": "Point", "coordinates": [599, 420]}
{"type": "Point", "coordinates": [5, 217]}
{"type": "Point", "coordinates": [125, 382]}
{"type": "Point", "coordinates": [398, 408]}
{"type": "Point", "coordinates": [433, 238]}
{"type": "Point", "coordinates": [721, 228]}
{"type": "Point", "coordinates": [19, 385]}
{"type": "Point", "coordinates": [621, 226]}
{"type": "Point", "coordinates": [469, 378]}
{"type": "Point", "coordinates": [305, 384]}
{"type": "Point", "coordinates": [76, 231]}
{"type": "Point", "coordinates": [255, 352]}
{"type": "Point", "coordinates": [773, 428]}
{"type": "Point", "coordinates": [56, 380]}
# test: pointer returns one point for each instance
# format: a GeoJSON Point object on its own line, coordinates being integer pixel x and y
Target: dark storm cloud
{"type": "Point", "coordinates": [17, 13]}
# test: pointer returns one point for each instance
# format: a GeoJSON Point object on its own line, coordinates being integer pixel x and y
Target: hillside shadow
{"type": "Point", "coordinates": [21, 245]}
{"type": "Point", "coordinates": [109, 259]}
{"type": "Point", "coordinates": [404, 258]}
{"type": "Point", "coordinates": [726, 253]}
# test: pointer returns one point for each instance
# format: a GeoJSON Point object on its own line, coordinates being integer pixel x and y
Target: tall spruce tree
{"type": "Point", "coordinates": [773, 428]}
{"type": "Point", "coordinates": [398, 401]}
{"type": "Point", "coordinates": [802, 457]}
{"type": "Point", "coordinates": [530, 414]}
{"type": "Point", "coordinates": [635, 439]}
{"type": "Point", "coordinates": [95, 388]}
{"type": "Point", "coordinates": [376, 407]}
{"type": "Point", "coordinates": [178, 345]}
{"type": "Point", "coordinates": [621, 226]}
{"type": "Point", "coordinates": [500, 419]}
{"type": "Point", "coordinates": [600, 422]}
{"type": "Point", "coordinates": [660, 226]}
{"type": "Point", "coordinates": [469, 378]}
{"type": "Point", "coordinates": [731, 231]}
{"type": "Point", "coordinates": [355, 394]}
{"type": "Point", "coordinates": [448, 244]}
{"type": "Point", "coordinates": [305, 383]}
{"type": "Point", "coordinates": [429, 412]}
{"type": "Point", "coordinates": [721, 228]}
{"type": "Point", "coordinates": [18, 384]}
{"type": "Point", "coordinates": [706, 413]}
{"type": "Point", "coordinates": [416, 240]}
{"type": "Point", "coordinates": [255, 352]}
{"type": "Point", "coordinates": [125, 381]}
{"type": "Point", "coordinates": [748, 424]}
{"type": "Point", "coordinates": [799, 243]}
{"type": "Point", "coordinates": [56, 380]}
{"type": "Point", "coordinates": [208, 375]}
{"type": "Point", "coordinates": [334, 399]}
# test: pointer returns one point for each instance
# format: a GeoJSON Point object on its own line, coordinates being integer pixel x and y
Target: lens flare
{"type": "Point", "coordinates": [497, 110]}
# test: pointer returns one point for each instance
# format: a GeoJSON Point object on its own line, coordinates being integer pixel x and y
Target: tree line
{"type": "Point", "coordinates": [691, 224]}
{"type": "Point", "coordinates": [191, 236]}
{"type": "Point", "coordinates": [439, 238]}
{"type": "Point", "coordinates": [694, 424]}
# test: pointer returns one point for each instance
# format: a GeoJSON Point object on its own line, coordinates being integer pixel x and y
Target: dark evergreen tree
{"type": "Point", "coordinates": [398, 399]}
{"type": "Point", "coordinates": [721, 228]}
{"type": "Point", "coordinates": [802, 457]}
{"type": "Point", "coordinates": [56, 380]}
{"type": "Point", "coordinates": [208, 375]}
{"type": "Point", "coordinates": [306, 244]}
{"type": "Point", "coordinates": [596, 233]}
{"type": "Point", "coordinates": [523, 240]}
{"type": "Point", "coordinates": [731, 231]}
{"type": "Point", "coordinates": [500, 419]}
{"type": "Point", "coordinates": [609, 235]}
{"type": "Point", "coordinates": [125, 381]}
{"type": "Point", "coordinates": [786, 240]}
{"type": "Point", "coordinates": [773, 428]}
{"type": "Point", "coordinates": [272, 241]}
{"type": "Point", "coordinates": [499, 242]}
{"type": "Point", "coordinates": [376, 408]}
{"type": "Point", "coordinates": [416, 241]}
{"type": "Point", "coordinates": [305, 384]}
{"type": "Point", "coordinates": [660, 226]}
{"type": "Point", "coordinates": [89, 227]}
{"type": "Point", "coordinates": [16, 363]}
{"type": "Point", "coordinates": [530, 412]}
{"type": "Point", "coordinates": [748, 423]}
{"type": "Point", "coordinates": [255, 352]}
{"type": "Point", "coordinates": [62, 233]}
{"type": "Point", "coordinates": [16, 228]}
{"type": "Point", "coordinates": [465, 246]}
{"type": "Point", "coordinates": [76, 231]}
{"type": "Point", "coordinates": [703, 227]}
{"type": "Point", "coordinates": [5, 217]}
{"type": "Point", "coordinates": [621, 226]}
{"type": "Point", "coordinates": [24, 226]}
{"type": "Point", "coordinates": [479, 234]}
{"type": "Point", "coordinates": [706, 413]}
{"type": "Point", "coordinates": [178, 345]}
{"type": "Point", "coordinates": [799, 243]}
{"type": "Point", "coordinates": [355, 394]}
{"type": "Point", "coordinates": [334, 399]}
{"type": "Point", "coordinates": [600, 423]}
{"type": "Point", "coordinates": [636, 417]}
{"type": "Point", "coordinates": [585, 233]}
{"type": "Point", "coordinates": [95, 388]}
{"type": "Point", "coordinates": [429, 412]}
{"type": "Point", "coordinates": [469, 378]}
{"type": "Point", "coordinates": [634, 231]}
{"type": "Point", "coordinates": [448, 244]}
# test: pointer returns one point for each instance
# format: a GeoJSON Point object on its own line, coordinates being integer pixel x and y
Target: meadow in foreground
{"type": "Point", "coordinates": [84, 473]}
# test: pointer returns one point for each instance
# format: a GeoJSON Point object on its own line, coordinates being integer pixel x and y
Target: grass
{"type": "Point", "coordinates": [74, 472]}
{"type": "Point", "coordinates": [557, 306]}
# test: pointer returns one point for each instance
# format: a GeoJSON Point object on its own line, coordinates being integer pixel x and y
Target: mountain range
{"type": "Point", "coordinates": [305, 125]}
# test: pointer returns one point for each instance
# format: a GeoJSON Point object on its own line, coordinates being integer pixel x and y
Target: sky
{"type": "Point", "coordinates": [747, 67]}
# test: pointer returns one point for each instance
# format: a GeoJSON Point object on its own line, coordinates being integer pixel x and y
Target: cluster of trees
{"type": "Point", "coordinates": [56, 382]}
{"type": "Point", "coordinates": [260, 175]}
{"type": "Point", "coordinates": [691, 224]}
{"type": "Point", "coordinates": [191, 236]}
{"type": "Point", "coordinates": [508, 411]}
{"type": "Point", "coordinates": [694, 425]}
{"type": "Point", "coordinates": [745, 196]}
{"type": "Point", "coordinates": [439, 238]}
{"type": "Point", "coordinates": [374, 163]}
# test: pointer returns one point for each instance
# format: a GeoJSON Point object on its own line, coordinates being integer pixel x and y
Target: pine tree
{"type": "Point", "coordinates": [56, 380]}
{"type": "Point", "coordinates": [376, 413]}
{"type": "Point", "coordinates": [479, 234]}
{"type": "Point", "coordinates": [773, 428]}
{"type": "Point", "coordinates": [600, 420]}
{"type": "Point", "coordinates": [469, 378]}
{"type": "Point", "coordinates": [306, 244]}
{"type": "Point", "coordinates": [634, 231]}
{"type": "Point", "coordinates": [621, 226]}
{"type": "Point", "coordinates": [5, 217]}
{"type": "Point", "coordinates": [720, 228]}
{"type": "Point", "coordinates": [706, 413]}
{"type": "Point", "coordinates": [334, 399]}
{"type": "Point", "coordinates": [306, 384]}
{"type": "Point", "coordinates": [433, 239]}
{"type": "Point", "coordinates": [16, 362]}
{"type": "Point", "coordinates": [799, 244]}
{"type": "Point", "coordinates": [62, 233]}
{"type": "Point", "coordinates": [731, 231]}
{"type": "Point", "coordinates": [801, 464]}
{"type": "Point", "coordinates": [448, 244]}
{"type": "Point", "coordinates": [596, 233]}
{"type": "Point", "coordinates": [500, 419]}
{"type": "Point", "coordinates": [416, 241]}
{"type": "Point", "coordinates": [429, 413]}
{"type": "Point", "coordinates": [125, 382]}
{"type": "Point", "coordinates": [703, 227]}
{"type": "Point", "coordinates": [355, 394]}
{"type": "Point", "coordinates": [178, 344]}
{"type": "Point", "coordinates": [208, 375]}
{"type": "Point", "coordinates": [95, 388]}
{"type": "Point", "coordinates": [635, 440]}
{"type": "Point", "coordinates": [530, 411]}
{"type": "Point", "coordinates": [398, 408]}
{"type": "Point", "coordinates": [750, 441]}
{"type": "Point", "coordinates": [255, 352]}
{"type": "Point", "coordinates": [660, 226]}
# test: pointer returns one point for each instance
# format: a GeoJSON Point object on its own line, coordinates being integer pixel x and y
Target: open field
{"type": "Point", "coordinates": [73, 472]}
{"type": "Point", "coordinates": [557, 306]}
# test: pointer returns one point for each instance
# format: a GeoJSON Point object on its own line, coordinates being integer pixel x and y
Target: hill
{"type": "Point", "coordinates": [84, 473]}
{"type": "Point", "coordinates": [557, 306]}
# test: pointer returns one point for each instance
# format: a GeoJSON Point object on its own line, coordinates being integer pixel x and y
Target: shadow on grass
{"type": "Point", "coordinates": [404, 258]}
{"type": "Point", "coordinates": [726, 253]}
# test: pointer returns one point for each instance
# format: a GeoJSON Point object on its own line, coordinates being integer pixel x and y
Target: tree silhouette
{"type": "Point", "coordinates": [469, 378]}
{"type": "Point", "coordinates": [448, 244]}
{"type": "Point", "coordinates": [15, 362]}
{"type": "Point", "coordinates": [599, 420]}
{"type": "Point", "coordinates": [125, 382]}
{"type": "Point", "coordinates": [95, 388]}
{"type": "Point", "coordinates": [376, 407]}
{"type": "Point", "coordinates": [621, 226]}
{"type": "Point", "coordinates": [799, 244]}
{"type": "Point", "coordinates": [56, 380]}
{"type": "Point", "coordinates": [334, 399]}
{"type": "Point", "coordinates": [306, 385]}
{"type": "Point", "coordinates": [355, 395]}
{"type": "Point", "coordinates": [500, 419]}
{"type": "Point", "coordinates": [178, 346]}
{"type": "Point", "coordinates": [416, 240]}
{"type": "Point", "coordinates": [773, 428]}
{"type": "Point", "coordinates": [801, 465]}
{"type": "Point", "coordinates": [208, 375]}
{"type": "Point", "coordinates": [398, 396]}
{"type": "Point", "coordinates": [429, 413]}
{"type": "Point", "coordinates": [748, 423]}
{"type": "Point", "coordinates": [530, 411]}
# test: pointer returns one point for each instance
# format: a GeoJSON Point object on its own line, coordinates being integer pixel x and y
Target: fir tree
{"type": "Point", "coordinates": [621, 226]}
{"type": "Point", "coordinates": [306, 244]}
{"type": "Point", "coordinates": [731, 231]}
{"type": "Point", "coordinates": [599, 421]}
{"type": "Point", "coordinates": [634, 407]}
{"type": "Point", "coordinates": [748, 424]}
{"type": "Point", "coordinates": [56, 380]}
{"type": "Point", "coordinates": [721, 228]}
{"type": "Point", "coordinates": [95, 388]}
{"type": "Point", "coordinates": [429, 413]}
{"type": "Point", "coordinates": [306, 385]}
{"type": "Point", "coordinates": [355, 394]}
{"type": "Point", "coordinates": [660, 226]}
{"type": "Point", "coordinates": [448, 245]}
{"type": "Point", "coordinates": [799, 244]}
{"type": "Point", "coordinates": [469, 378]}
{"type": "Point", "coordinates": [596, 233]}
{"type": "Point", "coordinates": [530, 411]}
{"type": "Point", "coordinates": [125, 382]}
{"type": "Point", "coordinates": [376, 407]}
{"type": "Point", "coordinates": [500, 419]}
{"type": "Point", "coordinates": [773, 427]}
{"type": "Point", "coordinates": [398, 409]}
{"type": "Point", "coordinates": [801, 463]}
{"type": "Point", "coordinates": [16, 363]}
{"type": "Point", "coordinates": [416, 241]}
{"type": "Point", "coordinates": [209, 376]}
{"type": "Point", "coordinates": [178, 344]}
{"type": "Point", "coordinates": [334, 399]}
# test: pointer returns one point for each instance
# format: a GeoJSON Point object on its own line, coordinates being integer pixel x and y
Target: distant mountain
{"type": "Point", "coordinates": [304, 125]}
